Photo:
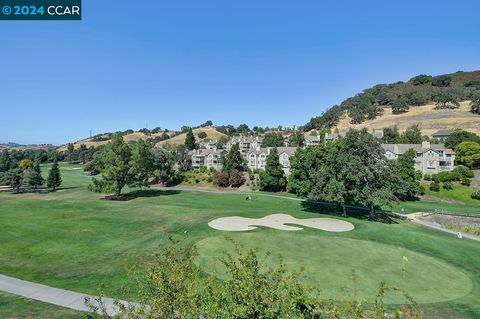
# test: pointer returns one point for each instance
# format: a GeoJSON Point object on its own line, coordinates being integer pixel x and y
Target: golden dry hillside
{"type": "Point", "coordinates": [127, 138]}
{"type": "Point", "coordinates": [212, 134]}
{"type": "Point", "coordinates": [426, 117]}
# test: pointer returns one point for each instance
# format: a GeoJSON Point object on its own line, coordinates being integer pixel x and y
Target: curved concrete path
{"type": "Point", "coordinates": [60, 297]}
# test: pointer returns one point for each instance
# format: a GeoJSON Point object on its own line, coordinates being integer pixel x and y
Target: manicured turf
{"type": "Point", "coordinates": [338, 256]}
{"type": "Point", "coordinates": [74, 240]}
{"type": "Point", "coordinates": [14, 307]}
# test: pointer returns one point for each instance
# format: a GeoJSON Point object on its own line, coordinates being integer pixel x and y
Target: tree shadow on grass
{"type": "Point", "coordinates": [363, 213]}
{"type": "Point", "coordinates": [145, 193]}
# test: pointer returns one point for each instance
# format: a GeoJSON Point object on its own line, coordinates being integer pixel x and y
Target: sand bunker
{"type": "Point", "coordinates": [279, 221]}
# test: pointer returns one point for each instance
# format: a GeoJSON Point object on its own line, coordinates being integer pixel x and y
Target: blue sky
{"type": "Point", "coordinates": [174, 63]}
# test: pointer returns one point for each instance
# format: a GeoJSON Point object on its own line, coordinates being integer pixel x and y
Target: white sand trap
{"type": "Point", "coordinates": [279, 221]}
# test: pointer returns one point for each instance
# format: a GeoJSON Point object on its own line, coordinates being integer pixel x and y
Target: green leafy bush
{"type": "Point", "coordinates": [464, 171]}
{"type": "Point", "coordinates": [427, 177]}
{"type": "Point", "coordinates": [435, 187]}
{"type": "Point", "coordinates": [466, 181]}
{"type": "Point", "coordinates": [448, 186]}
{"type": "Point", "coordinates": [476, 194]}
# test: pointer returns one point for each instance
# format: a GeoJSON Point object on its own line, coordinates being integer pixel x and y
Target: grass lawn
{"type": "Point", "coordinates": [14, 307]}
{"type": "Point", "coordinates": [455, 201]}
{"type": "Point", "coordinates": [458, 193]}
{"type": "Point", "coordinates": [74, 240]}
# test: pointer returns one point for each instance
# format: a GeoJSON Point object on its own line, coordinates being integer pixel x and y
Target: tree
{"type": "Point", "coordinates": [412, 135]}
{"type": "Point", "coordinates": [54, 178]}
{"type": "Point", "coordinates": [273, 178]}
{"type": "Point", "coordinates": [14, 178]}
{"type": "Point", "coordinates": [5, 161]}
{"type": "Point", "coordinates": [416, 98]}
{"type": "Point", "coordinates": [445, 99]}
{"type": "Point", "coordinates": [69, 152]}
{"type": "Point", "coordinates": [164, 166]}
{"type": "Point", "coordinates": [442, 80]}
{"type": "Point", "coordinates": [408, 185]}
{"type": "Point", "coordinates": [302, 168]}
{"type": "Point", "coordinates": [202, 135]}
{"type": "Point", "coordinates": [243, 129]}
{"type": "Point", "coordinates": [25, 164]}
{"type": "Point", "coordinates": [421, 79]}
{"type": "Point", "coordinates": [190, 140]}
{"type": "Point", "coordinates": [83, 154]}
{"type": "Point", "coordinates": [468, 154]}
{"type": "Point", "coordinates": [391, 135]}
{"type": "Point", "coordinates": [475, 102]}
{"type": "Point", "coordinates": [296, 139]}
{"type": "Point", "coordinates": [351, 170]}
{"type": "Point", "coordinates": [400, 105]}
{"type": "Point", "coordinates": [141, 163]}
{"type": "Point", "coordinates": [273, 140]}
{"type": "Point", "coordinates": [116, 171]}
{"type": "Point", "coordinates": [233, 160]}
{"type": "Point", "coordinates": [33, 176]}
{"type": "Point", "coordinates": [460, 136]}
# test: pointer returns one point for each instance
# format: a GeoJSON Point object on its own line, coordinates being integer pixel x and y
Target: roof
{"type": "Point", "coordinates": [204, 152]}
{"type": "Point", "coordinates": [419, 148]}
{"type": "Point", "coordinates": [258, 151]}
{"type": "Point", "coordinates": [244, 139]}
{"type": "Point", "coordinates": [442, 133]}
{"type": "Point", "coordinates": [288, 150]}
{"type": "Point", "coordinates": [313, 138]}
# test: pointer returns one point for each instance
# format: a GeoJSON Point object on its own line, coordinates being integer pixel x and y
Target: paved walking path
{"type": "Point", "coordinates": [434, 226]}
{"type": "Point", "coordinates": [55, 296]}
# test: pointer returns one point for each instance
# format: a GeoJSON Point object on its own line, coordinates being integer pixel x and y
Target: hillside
{"type": "Point", "coordinates": [212, 134]}
{"type": "Point", "coordinates": [426, 117]}
{"type": "Point", "coordinates": [398, 103]}
{"type": "Point", "coordinates": [127, 137]}
{"type": "Point", "coordinates": [15, 146]}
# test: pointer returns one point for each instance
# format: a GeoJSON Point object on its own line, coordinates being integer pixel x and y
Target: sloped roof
{"type": "Point", "coordinates": [442, 133]}
{"type": "Point", "coordinates": [419, 148]}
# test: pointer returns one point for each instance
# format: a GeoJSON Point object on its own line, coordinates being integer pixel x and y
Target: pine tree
{"type": "Point", "coordinates": [233, 160]}
{"type": "Point", "coordinates": [190, 140]}
{"type": "Point", "coordinates": [33, 176]}
{"type": "Point", "coordinates": [54, 178]}
{"type": "Point", "coordinates": [273, 178]}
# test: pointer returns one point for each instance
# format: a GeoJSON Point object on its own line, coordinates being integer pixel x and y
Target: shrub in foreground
{"type": "Point", "coordinates": [170, 285]}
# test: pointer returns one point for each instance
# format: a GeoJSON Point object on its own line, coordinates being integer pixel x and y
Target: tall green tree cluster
{"type": "Point", "coordinates": [349, 171]}
{"type": "Point", "coordinates": [121, 164]}
{"type": "Point", "coordinates": [28, 173]}
{"type": "Point", "coordinates": [233, 168]}
{"type": "Point", "coordinates": [190, 140]}
{"type": "Point", "coordinates": [273, 178]}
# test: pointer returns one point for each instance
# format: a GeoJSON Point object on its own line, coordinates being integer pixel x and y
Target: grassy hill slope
{"type": "Point", "coordinates": [413, 102]}
{"type": "Point", "coordinates": [212, 134]}
{"type": "Point", "coordinates": [128, 138]}
{"type": "Point", "coordinates": [426, 117]}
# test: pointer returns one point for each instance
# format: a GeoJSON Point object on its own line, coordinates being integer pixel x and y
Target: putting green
{"type": "Point", "coordinates": [328, 263]}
